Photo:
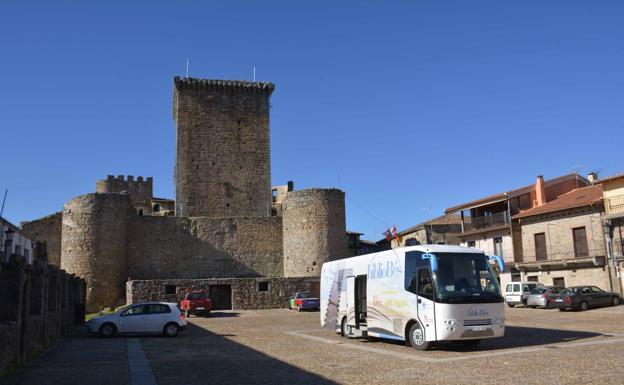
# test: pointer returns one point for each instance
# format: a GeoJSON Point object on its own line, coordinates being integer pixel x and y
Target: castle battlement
{"type": "Point", "coordinates": [224, 85]}
{"type": "Point", "coordinates": [120, 181]}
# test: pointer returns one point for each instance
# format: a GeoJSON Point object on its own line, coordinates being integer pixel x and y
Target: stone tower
{"type": "Point", "coordinates": [222, 166]}
{"type": "Point", "coordinates": [139, 190]}
{"type": "Point", "coordinates": [94, 245]}
{"type": "Point", "coordinates": [314, 230]}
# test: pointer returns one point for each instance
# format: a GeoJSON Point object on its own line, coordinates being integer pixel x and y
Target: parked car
{"type": "Point", "coordinates": [517, 293]}
{"type": "Point", "coordinates": [541, 296]}
{"type": "Point", "coordinates": [142, 318]}
{"type": "Point", "coordinates": [196, 303]}
{"type": "Point", "coordinates": [303, 301]}
{"type": "Point", "coordinates": [584, 297]}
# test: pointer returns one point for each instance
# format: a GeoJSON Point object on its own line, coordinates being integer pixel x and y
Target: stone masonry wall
{"type": "Point", "coordinates": [557, 228]}
{"type": "Point", "coordinates": [37, 304]}
{"type": "Point", "coordinates": [314, 230]}
{"type": "Point", "coordinates": [245, 291]}
{"type": "Point", "coordinates": [94, 245]}
{"type": "Point", "coordinates": [222, 164]}
{"type": "Point", "coordinates": [48, 230]}
{"type": "Point", "coordinates": [174, 247]}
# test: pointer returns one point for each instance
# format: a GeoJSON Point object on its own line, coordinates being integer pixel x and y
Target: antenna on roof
{"type": "Point", "coordinates": [3, 200]}
{"type": "Point", "coordinates": [187, 63]}
{"type": "Point", "coordinates": [577, 168]}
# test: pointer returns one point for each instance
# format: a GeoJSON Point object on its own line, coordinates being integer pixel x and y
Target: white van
{"type": "Point", "coordinates": [517, 293]}
{"type": "Point", "coordinates": [417, 294]}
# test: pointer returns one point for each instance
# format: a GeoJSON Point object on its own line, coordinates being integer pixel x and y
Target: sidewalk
{"type": "Point", "coordinates": [79, 360]}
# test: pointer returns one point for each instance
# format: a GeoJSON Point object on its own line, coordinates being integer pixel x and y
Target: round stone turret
{"type": "Point", "coordinates": [314, 230]}
{"type": "Point", "coordinates": [94, 245]}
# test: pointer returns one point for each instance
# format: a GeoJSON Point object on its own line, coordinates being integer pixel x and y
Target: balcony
{"type": "Point", "coordinates": [614, 206]}
{"type": "Point", "coordinates": [475, 224]}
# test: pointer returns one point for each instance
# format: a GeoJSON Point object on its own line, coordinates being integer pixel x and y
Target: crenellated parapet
{"type": "Point", "coordinates": [140, 190]}
{"type": "Point", "coordinates": [220, 86]}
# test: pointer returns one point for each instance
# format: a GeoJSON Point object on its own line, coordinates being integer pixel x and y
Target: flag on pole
{"type": "Point", "coordinates": [388, 235]}
{"type": "Point", "coordinates": [395, 234]}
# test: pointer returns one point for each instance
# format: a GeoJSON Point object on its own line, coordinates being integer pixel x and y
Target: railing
{"type": "Point", "coordinates": [615, 205]}
{"type": "Point", "coordinates": [486, 221]}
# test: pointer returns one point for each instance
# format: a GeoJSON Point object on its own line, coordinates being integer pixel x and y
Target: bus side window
{"type": "Point", "coordinates": [425, 285]}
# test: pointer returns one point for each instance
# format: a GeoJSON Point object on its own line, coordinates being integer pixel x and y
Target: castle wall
{"type": "Point", "coordinates": [222, 164]}
{"type": "Point", "coordinates": [94, 245]}
{"type": "Point", "coordinates": [175, 247]}
{"type": "Point", "coordinates": [140, 191]}
{"type": "Point", "coordinates": [48, 230]}
{"type": "Point", "coordinates": [246, 293]}
{"type": "Point", "coordinates": [314, 230]}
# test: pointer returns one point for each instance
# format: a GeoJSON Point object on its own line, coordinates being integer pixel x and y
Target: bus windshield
{"type": "Point", "coordinates": [465, 278]}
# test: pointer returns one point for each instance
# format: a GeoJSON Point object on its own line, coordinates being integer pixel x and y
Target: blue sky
{"type": "Point", "coordinates": [408, 106]}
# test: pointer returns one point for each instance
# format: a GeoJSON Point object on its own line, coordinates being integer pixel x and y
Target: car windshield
{"type": "Point", "coordinates": [568, 291]}
{"type": "Point", "coordinates": [539, 290]}
{"type": "Point", "coordinates": [197, 296]}
{"type": "Point", "coordinates": [465, 278]}
{"type": "Point", "coordinates": [303, 295]}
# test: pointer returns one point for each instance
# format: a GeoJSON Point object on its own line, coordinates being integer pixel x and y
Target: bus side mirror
{"type": "Point", "coordinates": [433, 260]}
{"type": "Point", "coordinates": [499, 260]}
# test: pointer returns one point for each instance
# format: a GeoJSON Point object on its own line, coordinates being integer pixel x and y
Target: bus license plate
{"type": "Point", "coordinates": [478, 328]}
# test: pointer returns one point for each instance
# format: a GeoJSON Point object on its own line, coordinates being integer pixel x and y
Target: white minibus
{"type": "Point", "coordinates": [417, 294]}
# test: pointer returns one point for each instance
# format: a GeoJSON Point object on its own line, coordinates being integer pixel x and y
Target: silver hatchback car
{"type": "Point", "coordinates": [541, 296]}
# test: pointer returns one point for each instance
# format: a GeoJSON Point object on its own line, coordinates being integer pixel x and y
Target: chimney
{"type": "Point", "coordinates": [592, 177]}
{"type": "Point", "coordinates": [540, 193]}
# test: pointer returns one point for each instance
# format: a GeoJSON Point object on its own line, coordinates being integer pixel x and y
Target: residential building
{"type": "Point", "coordinates": [357, 246]}
{"type": "Point", "coordinates": [12, 241]}
{"type": "Point", "coordinates": [486, 223]}
{"type": "Point", "coordinates": [562, 241]}
{"type": "Point", "coordinates": [443, 230]}
{"type": "Point", "coordinates": [613, 195]}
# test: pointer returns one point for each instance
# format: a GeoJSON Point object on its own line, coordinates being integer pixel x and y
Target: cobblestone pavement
{"type": "Point", "coordinates": [75, 360]}
{"type": "Point", "coordinates": [285, 347]}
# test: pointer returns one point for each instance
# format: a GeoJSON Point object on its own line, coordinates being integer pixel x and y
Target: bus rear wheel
{"type": "Point", "coordinates": [345, 330]}
{"type": "Point", "coordinates": [416, 337]}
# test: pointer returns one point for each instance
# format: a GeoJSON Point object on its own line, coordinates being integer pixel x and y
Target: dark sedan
{"type": "Point", "coordinates": [584, 297]}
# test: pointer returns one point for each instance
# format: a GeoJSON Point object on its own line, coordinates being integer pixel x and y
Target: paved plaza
{"type": "Point", "coordinates": [285, 347]}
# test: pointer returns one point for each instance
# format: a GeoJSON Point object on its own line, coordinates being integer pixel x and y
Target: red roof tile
{"type": "Point", "coordinates": [584, 196]}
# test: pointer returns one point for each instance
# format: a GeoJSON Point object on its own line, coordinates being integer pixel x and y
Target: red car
{"type": "Point", "coordinates": [196, 303]}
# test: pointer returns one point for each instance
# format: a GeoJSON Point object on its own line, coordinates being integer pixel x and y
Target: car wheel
{"type": "Point", "coordinates": [108, 330]}
{"type": "Point", "coordinates": [469, 343]}
{"type": "Point", "coordinates": [615, 301]}
{"type": "Point", "coordinates": [171, 329]}
{"type": "Point", "coordinates": [583, 306]}
{"type": "Point", "coordinates": [345, 330]}
{"type": "Point", "coordinates": [416, 337]}
{"type": "Point", "coordinates": [510, 304]}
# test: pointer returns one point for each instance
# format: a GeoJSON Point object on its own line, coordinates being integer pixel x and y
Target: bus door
{"type": "Point", "coordinates": [426, 305]}
{"type": "Point", "coordinates": [351, 301]}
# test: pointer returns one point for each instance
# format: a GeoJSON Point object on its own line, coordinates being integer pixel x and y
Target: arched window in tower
{"type": "Point", "coordinates": [140, 212]}
{"type": "Point", "coordinates": [156, 207]}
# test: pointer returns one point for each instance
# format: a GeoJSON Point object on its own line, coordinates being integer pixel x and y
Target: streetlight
{"type": "Point", "coordinates": [8, 238]}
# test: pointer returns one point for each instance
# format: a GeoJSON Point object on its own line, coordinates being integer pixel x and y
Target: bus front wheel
{"type": "Point", "coordinates": [416, 337]}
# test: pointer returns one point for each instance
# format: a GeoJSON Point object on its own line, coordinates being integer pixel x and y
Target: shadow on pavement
{"type": "Point", "coordinates": [219, 314]}
{"type": "Point", "coordinates": [198, 356]}
{"type": "Point", "coordinates": [515, 337]}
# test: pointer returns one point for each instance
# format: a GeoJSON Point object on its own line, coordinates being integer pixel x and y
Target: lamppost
{"type": "Point", "coordinates": [8, 239]}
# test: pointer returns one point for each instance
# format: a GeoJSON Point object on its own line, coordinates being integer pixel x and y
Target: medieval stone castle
{"type": "Point", "coordinates": [226, 222]}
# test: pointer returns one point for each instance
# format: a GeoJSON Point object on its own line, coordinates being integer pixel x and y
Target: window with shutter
{"type": "Point", "coordinates": [540, 247]}
{"type": "Point", "coordinates": [580, 242]}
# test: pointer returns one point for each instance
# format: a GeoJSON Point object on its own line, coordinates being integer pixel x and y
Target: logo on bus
{"type": "Point", "coordinates": [382, 270]}
{"type": "Point", "coordinates": [477, 311]}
